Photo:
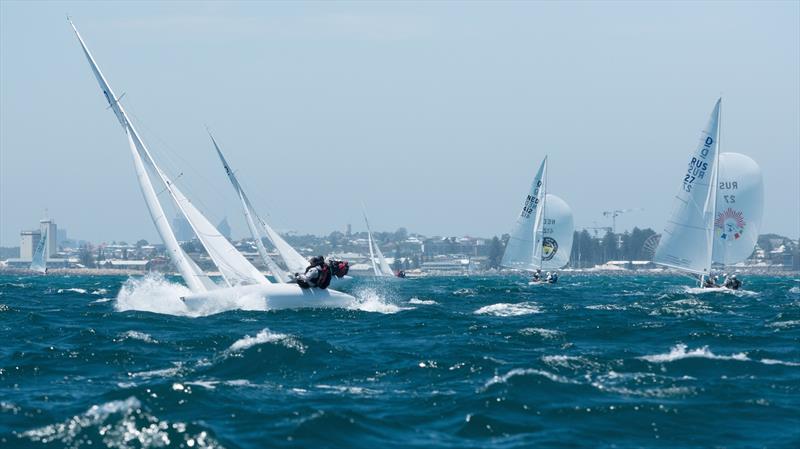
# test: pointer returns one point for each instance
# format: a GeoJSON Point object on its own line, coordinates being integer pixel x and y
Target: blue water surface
{"type": "Point", "coordinates": [596, 361]}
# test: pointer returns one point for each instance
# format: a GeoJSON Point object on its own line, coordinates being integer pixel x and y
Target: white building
{"type": "Point", "coordinates": [49, 226]}
{"type": "Point", "coordinates": [28, 241]}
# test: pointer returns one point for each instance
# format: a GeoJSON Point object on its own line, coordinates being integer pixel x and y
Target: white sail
{"type": "Point", "coordinates": [557, 233]}
{"type": "Point", "coordinates": [523, 250]}
{"type": "Point", "coordinates": [191, 273]}
{"type": "Point", "coordinates": [372, 252]}
{"type": "Point", "coordinates": [381, 267]}
{"type": "Point", "coordinates": [39, 262]}
{"type": "Point", "coordinates": [250, 217]}
{"type": "Point", "coordinates": [740, 205]}
{"type": "Point", "coordinates": [686, 243]}
{"type": "Point", "coordinates": [384, 267]}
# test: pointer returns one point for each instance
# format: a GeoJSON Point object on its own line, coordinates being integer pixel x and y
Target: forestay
{"type": "Point", "coordinates": [557, 233]}
{"type": "Point", "coordinates": [740, 205]}
{"type": "Point", "coordinates": [525, 236]}
{"type": "Point", "coordinates": [686, 243]}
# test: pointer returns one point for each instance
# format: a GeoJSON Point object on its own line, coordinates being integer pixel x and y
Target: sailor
{"type": "Point", "coordinates": [401, 274]}
{"type": "Point", "coordinates": [537, 276]}
{"type": "Point", "coordinates": [554, 278]}
{"type": "Point", "coordinates": [318, 274]}
{"type": "Point", "coordinates": [733, 283]}
{"type": "Point", "coordinates": [339, 268]}
{"type": "Point", "coordinates": [710, 282]}
{"type": "Point", "coordinates": [548, 277]}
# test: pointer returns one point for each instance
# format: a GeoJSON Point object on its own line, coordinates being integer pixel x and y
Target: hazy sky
{"type": "Point", "coordinates": [436, 115]}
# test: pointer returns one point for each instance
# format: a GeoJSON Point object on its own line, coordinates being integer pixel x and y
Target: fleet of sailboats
{"type": "Point", "coordinates": [715, 218]}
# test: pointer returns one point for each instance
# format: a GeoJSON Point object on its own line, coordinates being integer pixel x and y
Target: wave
{"type": "Point", "coordinates": [267, 336]}
{"type": "Point", "coordinates": [425, 302]}
{"type": "Point", "coordinates": [784, 324]}
{"type": "Point", "coordinates": [369, 300]}
{"type": "Point", "coordinates": [679, 352]}
{"type": "Point", "coordinates": [505, 309]}
{"type": "Point", "coordinates": [136, 335]}
{"type": "Point", "coordinates": [123, 423]}
{"type": "Point", "coordinates": [544, 333]}
{"type": "Point", "coordinates": [701, 290]}
{"type": "Point", "coordinates": [526, 372]}
{"type": "Point", "coordinates": [73, 290]}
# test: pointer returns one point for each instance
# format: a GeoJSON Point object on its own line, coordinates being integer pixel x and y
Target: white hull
{"type": "Point", "coordinates": [270, 297]}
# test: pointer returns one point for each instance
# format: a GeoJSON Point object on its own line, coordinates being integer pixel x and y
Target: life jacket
{"type": "Point", "coordinates": [339, 268]}
{"type": "Point", "coordinates": [324, 279]}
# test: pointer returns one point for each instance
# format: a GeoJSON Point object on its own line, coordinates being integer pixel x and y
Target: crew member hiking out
{"type": "Point", "coordinates": [318, 274]}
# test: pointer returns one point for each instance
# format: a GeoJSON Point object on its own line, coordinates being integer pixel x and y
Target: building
{"type": "Point", "coordinates": [49, 226]}
{"type": "Point", "coordinates": [28, 241]}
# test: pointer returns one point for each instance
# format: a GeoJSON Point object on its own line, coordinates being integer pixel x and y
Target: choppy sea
{"type": "Point", "coordinates": [489, 362]}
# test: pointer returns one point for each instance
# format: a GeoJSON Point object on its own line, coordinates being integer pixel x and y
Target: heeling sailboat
{"type": "Point", "coordinates": [242, 277]}
{"type": "Point", "coordinates": [687, 241]}
{"type": "Point", "coordinates": [542, 234]}
{"type": "Point", "coordinates": [381, 267]}
{"type": "Point", "coordinates": [39, 262]}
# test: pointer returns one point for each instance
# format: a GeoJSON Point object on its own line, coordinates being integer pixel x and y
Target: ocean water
{"type": "Point", "coordinates": [596, 361]}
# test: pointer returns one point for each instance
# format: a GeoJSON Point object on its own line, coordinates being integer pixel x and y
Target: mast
{"type": "Point", "coordinates": [538, 231]}
{"type": "Point", "coordinates": [249, 212]}
{"type": "Point", "coordinates": [369, 239]}
{"type": "Point", "coordinates": [195, 279]}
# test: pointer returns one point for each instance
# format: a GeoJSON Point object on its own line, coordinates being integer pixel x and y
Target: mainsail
{"type": "Point", "coordinates": [740, 205]}
{"type": "Point", "coordinates": [39, 262]}
{"type": "Point", "coordinates": [557, 233]}
{"type": "Point", "coordinates": [251, 217]}
{"type": "Point", "coordinates": [524, 247]}
{"type": "Point", "coordinates": [195, 279]}
{"type": "Point", "coordinates": [235, 269]}
{"type": "Point", "coordinates": [686, 243]}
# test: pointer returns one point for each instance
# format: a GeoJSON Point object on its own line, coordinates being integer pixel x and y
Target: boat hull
{"type": "Point", "coordinates": [270, 297]}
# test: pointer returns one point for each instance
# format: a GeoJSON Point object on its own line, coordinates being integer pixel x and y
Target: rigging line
{"type": "Point", "coordinates": [169, 154]}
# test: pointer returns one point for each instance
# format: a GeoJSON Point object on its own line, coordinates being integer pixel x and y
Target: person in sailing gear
{"type": "Point", "coordinates": [553, 278]}
{"type": "Point", "coordinates": [401, 274]}
{"type": "Point", "coordinates": [318, 274]}
{"type": "Point", "coordinates": [339, 268]}
{"type": "Point", "coordinates": [710, 282]}
{"type": "Point", "coordinates": [732, 283]}
{"type": "Point", "coordinates": [548, 277]}
{"type": "Point", "coordinates": [537, 276]}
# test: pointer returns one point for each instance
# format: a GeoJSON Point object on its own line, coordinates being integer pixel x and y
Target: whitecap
{"type": "Point", "coordinates": [369, 300]}
{"type": "Point", "coordinates": [784, 324]}
{"type": "Point", "coordinates": [544, 333]}
{"type": "Point", "coordinates": [778, 362]}
{"type": "Point", "coordinates": [267, 336]}
{"type": "Point", "coordinates": [136, 335]}
{"type": "Point", "coordinates": [505, 309]}
{"type": "Point", "coordinates": [526, 372]}
{"type": "Point", "coordinates": [164, 372]}
{"type": "Point", "coordinates": [679, 352]}
{"type": "Point", "coordinates": [425, 302]}
{"type": "Point", "coordinates": [73, 290]}
{"type": "Point", "coordinates": [606, 307]}
{"type": "Point", "coordinates": [100, 291]}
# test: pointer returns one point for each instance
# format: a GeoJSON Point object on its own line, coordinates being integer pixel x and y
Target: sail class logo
{"type": "Point", "coordinates": [549, 248]}
{"type": "Point", "coordinates": [729, 224]}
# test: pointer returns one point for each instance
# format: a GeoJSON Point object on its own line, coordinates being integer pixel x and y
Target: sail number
{"type": "Point", "coordinates": [698, 166]}
{"type": "Point", "coordinates": [531, 201]}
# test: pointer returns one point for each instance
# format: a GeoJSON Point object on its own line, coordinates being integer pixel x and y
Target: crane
{"type": "Point", "coordinates": [615, 213]}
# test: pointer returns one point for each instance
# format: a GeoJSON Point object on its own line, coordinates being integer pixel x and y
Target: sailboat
{"type": "Point", "coordinates": [542, 234]}
{"type": "Point", "coordinates": [717, 211]}
{"type": "Point", "coordinates": [259, 228]}
{"type": "Point", "coordinates": [380, 267]}
{"type": "Point", "coordinates": [39, 262]}
{"type": "Point", "coordinates": [240, 277]}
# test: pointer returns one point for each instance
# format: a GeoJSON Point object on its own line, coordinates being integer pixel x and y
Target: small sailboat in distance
{"type": "Point", "coordinates": [380, 267]}
{"type": "Point", "coordinates": [717, 212]}
{"type": "Point", "coordinates": [542, 234]}
{"type": "Point", "coordinates": [39, 262]}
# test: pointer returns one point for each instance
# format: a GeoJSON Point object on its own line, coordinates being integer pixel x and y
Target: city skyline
{"type": "Point", "coordinates": [319, 103]}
